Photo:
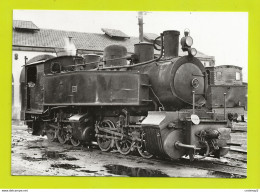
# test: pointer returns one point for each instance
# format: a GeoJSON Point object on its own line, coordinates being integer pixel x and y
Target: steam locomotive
{"type": "Point", "coordinates": [153, 104]}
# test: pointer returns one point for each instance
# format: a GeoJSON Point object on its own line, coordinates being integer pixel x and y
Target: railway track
{"type": "Point", "coordinates": [221, 168]}
{"type": "Point", "coordinates": [237, 155]}
{"type": "Point", "coordinates": [233, 171]}
{"type": "Point", "coordinates": [228, 169]}
{"type": "Point", "coordinates": [239, 150]}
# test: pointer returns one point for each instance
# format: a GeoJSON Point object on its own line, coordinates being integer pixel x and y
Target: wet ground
{"type": "Point", "coordinates": [34, 155]}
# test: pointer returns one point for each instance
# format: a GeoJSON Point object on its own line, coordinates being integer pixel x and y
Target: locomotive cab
{"type": "Point", "coordinates": [32, 85]}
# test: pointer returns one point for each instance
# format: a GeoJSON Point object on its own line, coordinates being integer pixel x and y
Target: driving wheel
{"type": "Point", "coordinates": [50, 135]}
{"type": "Point", "coordinates": [143, 152]}
{"type": "Point", "coordinates": [104, 142]}
{"type": "Point", "coordinates": [124, 146]}
{"type": "Point", "coordinates": [62, 137]}
{"type": "Point", "coordinates": [75, 142]}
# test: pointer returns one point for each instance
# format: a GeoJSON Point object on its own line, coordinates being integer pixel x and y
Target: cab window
{"type": "Point", "coordinates": [219, 75]}
{"type": "Point", "coordinates": [238, 76]}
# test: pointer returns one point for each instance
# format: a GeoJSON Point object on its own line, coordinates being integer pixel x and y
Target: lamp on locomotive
{"type": "Point", "coordinates": [187, 42]}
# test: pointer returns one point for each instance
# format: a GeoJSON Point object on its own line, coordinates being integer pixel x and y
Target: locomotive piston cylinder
{"type": "Point", "coordinates": [171, 43]}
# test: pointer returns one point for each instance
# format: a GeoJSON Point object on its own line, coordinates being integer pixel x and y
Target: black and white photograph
{"type": "Point", "coordinates": [129, 94]}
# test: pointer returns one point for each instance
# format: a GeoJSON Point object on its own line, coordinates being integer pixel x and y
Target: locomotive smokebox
{"type": "Point", "coordinates": [112, 55]}
{"type": "Point", "coordinates": [144, 52]}
{"type": "Point", "coordinates": [91, 59]}
{"type": "Point", "coordinates": [171, 43]}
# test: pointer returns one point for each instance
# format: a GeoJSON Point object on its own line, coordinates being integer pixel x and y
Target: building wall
{"type": "Point", "coordinates": [207, 63]}
{"type": "Point", "coordinates": [17, 62]}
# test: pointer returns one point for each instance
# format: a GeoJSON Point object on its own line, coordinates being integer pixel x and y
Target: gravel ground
{"type": "Point", "coordinates": [34, 155]}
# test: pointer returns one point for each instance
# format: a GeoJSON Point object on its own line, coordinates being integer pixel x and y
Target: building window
{"type": "Point", "coordinates": [219, 75]}
{"type": "Point", "coordinates": [206, 63]}
{"type": "Point", "coordinates": [238, 76]}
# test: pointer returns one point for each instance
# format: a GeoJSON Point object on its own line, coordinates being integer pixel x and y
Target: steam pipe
{"type": "Point", "coordinates": [139, 64]}
{"type": "Point", "coordinates": [193, 102]}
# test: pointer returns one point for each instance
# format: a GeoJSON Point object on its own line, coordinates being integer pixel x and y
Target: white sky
{"type": "Point", "coordinates": [220, 34]}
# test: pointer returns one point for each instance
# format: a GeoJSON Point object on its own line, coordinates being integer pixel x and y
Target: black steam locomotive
{"type": "Point", "coordinates": [153, 104]}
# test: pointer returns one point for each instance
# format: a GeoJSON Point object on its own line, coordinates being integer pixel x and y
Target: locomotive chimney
{"type": "Point", "coordinates": [171, 43]}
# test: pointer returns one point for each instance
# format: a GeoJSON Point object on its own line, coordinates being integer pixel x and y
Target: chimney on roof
{"type": "Point", "coordinates": [69, 49]}
{"type": "Point", "coordinates": [70, 39]}
{"type": "Point", "coordinates": [141, 23]}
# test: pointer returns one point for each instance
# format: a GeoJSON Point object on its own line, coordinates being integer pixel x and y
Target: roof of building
{"type": "Point", "coordinates": [114, 33]}
{"type": "Point", "coordinates": [51, 38]}
{"type": "Point", "coordinates": [18, 24]}
{"type": "Point", "coordinates": [150, 36]}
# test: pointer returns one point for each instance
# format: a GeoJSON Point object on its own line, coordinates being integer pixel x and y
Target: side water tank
{"type": "Point", "coordinates": [112, 52]}
{"type": "Point", "coordinates": [144, 52]}
{"type": "Point", "coordinates": [92, 59]}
